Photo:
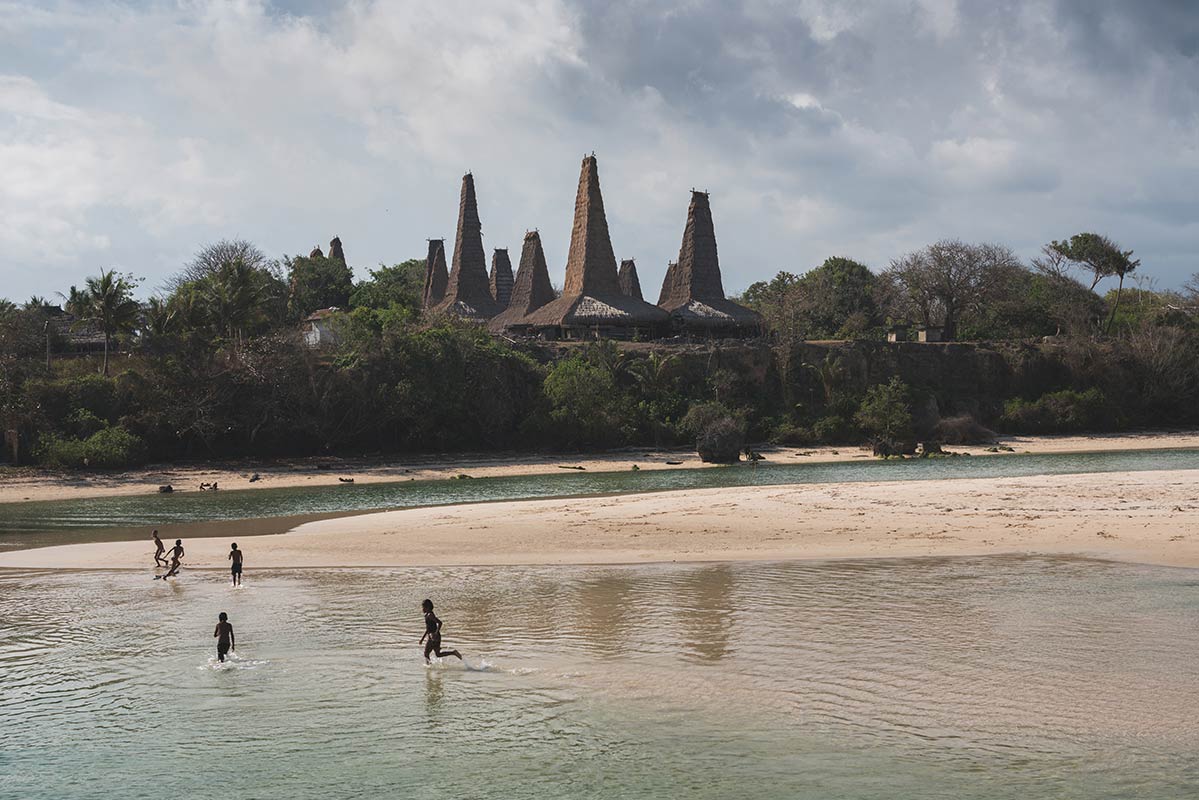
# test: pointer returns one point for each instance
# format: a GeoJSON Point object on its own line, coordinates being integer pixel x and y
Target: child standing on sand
{"type": "Point", "coordinates": [235, 565]}
{"type": "Point", "coordinates": [433, 633]}
{"type": "Point", "coordinates": [159, 549]}
{"type": "Point", "coordinates": [224, 636]}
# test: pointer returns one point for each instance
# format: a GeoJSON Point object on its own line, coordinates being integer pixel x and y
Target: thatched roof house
{"type": "Point", "coordinates": [335, 251]}
{"type": "Point", "coordinates": [437, 275]}
{"type": "Point", "coordinates": [316, 253]}
{"type": "Point", "coordinates": [468, 291]}
{"type": "Point", "coordinates": [501, 277]}
{"type": "Point", "coordinates": [630, 284]}
{"type": "Point", "coordinates": [532, 288]}
{"type": "Point", "coordinates": [693, 292]}
{"type": "Point", "coordinates": [592, 303]}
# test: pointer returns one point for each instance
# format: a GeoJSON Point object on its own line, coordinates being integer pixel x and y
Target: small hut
{"type": "Point", "coordinates": [930, 333]}
{"type": "Point", "coordinates": [501, 278]}
{"type": "Point", "coordinates": [592, 304]}
{"type": "Point", "coordinates": [630, 284]}
{"type": "Point", "coordinates": [693, 292]}
{"type": "Point", "coordinates": [531, 290]}
{"type": "Point", "coordinates": [468, 290]}
{"type": "Point", "coordinates": [437, 276]}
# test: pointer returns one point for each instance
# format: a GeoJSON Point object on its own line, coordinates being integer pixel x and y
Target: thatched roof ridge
{"type": "Point", "coordinates": [591, 263]}
{"type": "Point", "coordinates": [437, 275]}
{"type": "Point", "coordinates": [692, 291]}
{"type": "Point", "coordinates": [532, 288]}
{"type": "Point", "coordinates": [630, 284]}
{"type": "Point", "coordinates": [335, 251]}
{"type": "Point", "coordinates": [468, 291]}
{"type": "Point", "coordinates": [316, 253]}
{"type": "Point", "coordinates": [585, 310]}
{"type": "Point", "coordinates": [501, 277]}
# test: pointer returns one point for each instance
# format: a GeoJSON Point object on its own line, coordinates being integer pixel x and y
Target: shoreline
{"type": "Point", "coordinates": [1144, 517]}
{"type": "Point", "coordinates": [290, 473]}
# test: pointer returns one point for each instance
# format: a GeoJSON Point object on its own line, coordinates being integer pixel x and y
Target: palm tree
{"type": "Point", "coordinates": [232, 295]}
{"type": "Point", "coordinates": [110, 307]}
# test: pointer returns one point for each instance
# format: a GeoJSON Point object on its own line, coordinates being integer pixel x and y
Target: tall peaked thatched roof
{"type": "Point", "coordinates": [437, 276]}
{"type": "Point", "coordinates": [468, 292]}
{"type": "Point", "coordinates": [693, 292]}
{"type": "Point", "coordinates": [335, 251]}
{"type": "Point", "coordinates": [592, 296]}
{"type": "Point", "coordinates": [501, 277]}
{"type": "Point", "coordinates": [316, 253]}
{"type": "Point", "coordinates": [532, 288]}
{"type": "Point", "coordinates": [630, 284]}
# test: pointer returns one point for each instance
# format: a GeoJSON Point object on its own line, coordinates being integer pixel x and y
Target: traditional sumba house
{"type": "Point", "coordinates": [468, 291]}
{"type": "Point", "coordinates": [592, 304]}
{"type": "Point", "coordinates": [501, 278]}
{"type": "Point", "coordinates": [335, 251]}
{"type": "Point", "coordinates": [316, 253]}
{"type": "Point", "coordinates": [437, 276]}
{"type": "Point", "coordinates": [531, 289]}
{"type": "Point", "coordinates": [630, 284]}
{"type": "Point", "coordinates": [693, 293]}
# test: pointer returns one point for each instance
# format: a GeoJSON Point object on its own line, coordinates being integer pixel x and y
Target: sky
{"type": "Point", "coordinates": [133, 133]}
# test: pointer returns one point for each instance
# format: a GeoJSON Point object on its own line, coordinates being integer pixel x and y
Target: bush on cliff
{"type": "Point", "coordinates": [1066, 411]}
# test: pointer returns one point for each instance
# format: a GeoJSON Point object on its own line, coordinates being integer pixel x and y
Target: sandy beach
{"type": "Point", "coordinates": [1149, 517]}
{"type": "Point", "coordinates": [32, 484]}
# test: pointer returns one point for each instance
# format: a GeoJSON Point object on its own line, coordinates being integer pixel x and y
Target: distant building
{"type": "Point", "coordinates": [930, 333]}
{"type": "Point", "coordinates": [468, 290]}
{"type": "Point", "coordinates": [899, 333]}
{"type": "Point", "coordinates": [532, 288]}
{"type": "Point", "coordinates": [318, 328]}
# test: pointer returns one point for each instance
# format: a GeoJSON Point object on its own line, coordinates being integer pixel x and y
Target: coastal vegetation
{"type": "Point", "coordinates": [216, 364]}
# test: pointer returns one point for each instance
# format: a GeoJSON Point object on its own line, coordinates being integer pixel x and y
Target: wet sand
{"type": "Point", "coordinates": [1149, 517]}
{"type": "Point", "coordinates": [20, 485]}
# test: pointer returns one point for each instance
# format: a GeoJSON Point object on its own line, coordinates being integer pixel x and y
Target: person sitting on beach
{"type": "Point", "coordinates": [235, 566]}
{"type": "Point", "coordinates": [224, 636]}
{"type": "Point", "coordinates": [176, 556]}
{"type": "Point", "coordinates": [159, 549]}
{"type": "Point", "coordinates": [433, 633]}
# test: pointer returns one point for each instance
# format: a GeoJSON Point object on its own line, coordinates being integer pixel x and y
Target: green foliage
{"type": "Point", "coordinates": [1067, 411]}
{"type": "Point", "coordinates": [833, 301]}
{"type": "Point", "coordinates": [108, 448]}
{"type": "Point", "coordinates": [317, 282]}
{"type": "Point", "coordinates": [586, 405]}
{"type": "Point", "coordinates": [399, 285]}
{"type": "Point", "coordinates": [108, 304]}
{"type": "Point", "coordinates": [886, 412]}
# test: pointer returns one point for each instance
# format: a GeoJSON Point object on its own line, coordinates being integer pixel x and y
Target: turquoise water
{"type": "Point", "coordinates": [1001, 677]}
{"type": "Point", "coordinates": [140, 511]}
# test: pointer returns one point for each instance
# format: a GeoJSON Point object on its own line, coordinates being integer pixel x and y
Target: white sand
{"type": "Point", "coordinates": [1150, 517]}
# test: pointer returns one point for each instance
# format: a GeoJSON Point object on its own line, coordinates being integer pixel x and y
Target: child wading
{"type": "Point", "coordinates": [235, 565]}
{"type": "Point", "coordinates": [159, 549]}
{"type": "Point", "coordinates": [224, 636]}
{"type": "Point", "coordinates": [176, 555]}
{"type": "Point", "coordinates": [433, 633]}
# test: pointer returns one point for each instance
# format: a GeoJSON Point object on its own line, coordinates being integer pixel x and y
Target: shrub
{"type": "Point", "coordinates": [586, 403]}
{"type": "Point", "coordinates": [886, 413]}
{"type": "Point", "coordinates": [834, 428]}
{"type": "Point", "coordinates": [701, 415]}
{"type": "Point", "coordinates": [721, 441]}
{"type": "Point", "coordinates": [110, 448]}
{"type": "Point", "coordinates": [962, 429]}
{"type": "Point", "coordinates": [1056, 412]}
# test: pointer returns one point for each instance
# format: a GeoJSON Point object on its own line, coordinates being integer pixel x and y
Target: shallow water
{"type": "Point", "coordinates": [126, 517]}
{"type": "Point", "coordinates": [1000, 677]}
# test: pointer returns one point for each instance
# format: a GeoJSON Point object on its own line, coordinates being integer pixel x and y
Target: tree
{"type": "Point", "coordinates": [213, 257]}
{"type": "Point", "coordinates": [110, 307]}
{"type": "Point", "coordinates": [402, 284]}
{"type": "Point", "coordinates": [1098, 255]}
{"type": "Point", "coordinates": [317, 282]}
{"type": "Point", "coordinates": [233, 297]}
{"type": "Point", "coordinates": [886, 412]}
{"type": "Point", "coordinates": [946, 280]}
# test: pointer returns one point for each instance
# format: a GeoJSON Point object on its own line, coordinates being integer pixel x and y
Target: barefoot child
{"type": "Point", "coordinates": [235, 565]}
{"type": "Point", "coordinates": [159, 549]}
{"type": "Point", "coordinates": [224, 636]}
{"type": "Point", "coordinates": [433, 632]}
{"type": "Point", "coordinates": [176, 555]}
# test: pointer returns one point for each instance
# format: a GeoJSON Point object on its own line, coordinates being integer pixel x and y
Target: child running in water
{"type": "Point", "coordinates": [433, 633]}
{"type": "Point", "coordinates": [224, 636]}
{"type": "Point", "coordinates": [176, 555]}
{"type": "Point", "coordinates": [159, 549]}
{"type": "Point", "coordinates": [235, 566]}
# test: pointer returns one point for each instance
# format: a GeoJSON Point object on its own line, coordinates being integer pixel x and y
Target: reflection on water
{"type": "Point", "coordinates": [1000, 677]}
{"type": "Point", "coordinates": [110, 518]}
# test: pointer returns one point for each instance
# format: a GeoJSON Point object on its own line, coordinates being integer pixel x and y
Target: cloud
{"type": "Point", "coordinates": [133, 133]}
